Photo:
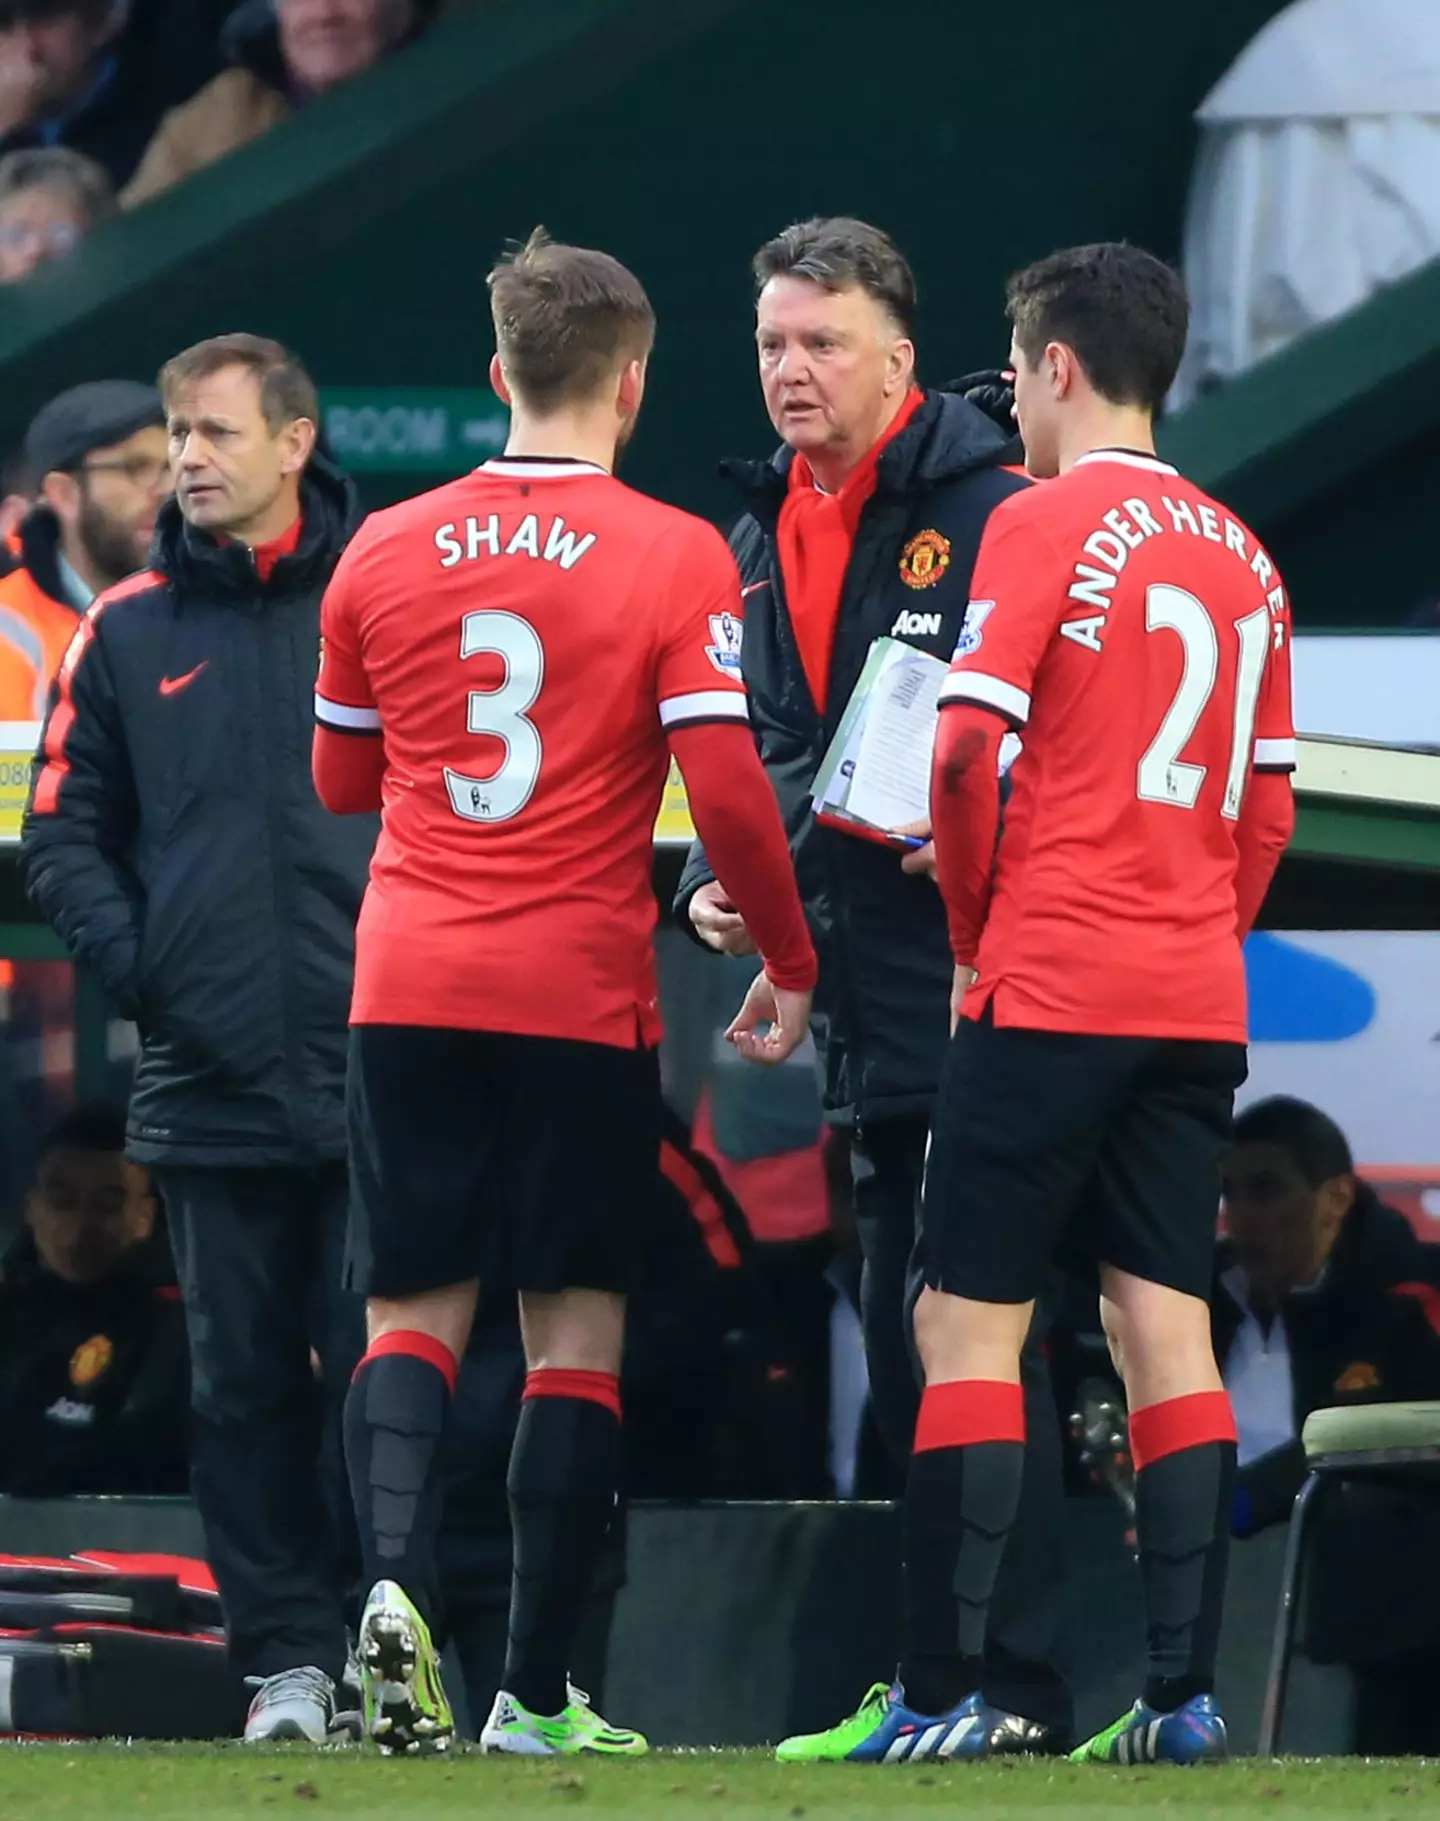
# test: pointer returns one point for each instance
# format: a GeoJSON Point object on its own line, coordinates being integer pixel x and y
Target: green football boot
{"type": "Point", "coordinates": [406, 1710]}
{"type": "Point", "coordinates": [513, 1728]}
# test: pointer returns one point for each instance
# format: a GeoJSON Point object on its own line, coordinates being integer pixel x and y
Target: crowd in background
{"type": "Point", "coordinates": [106, 104]}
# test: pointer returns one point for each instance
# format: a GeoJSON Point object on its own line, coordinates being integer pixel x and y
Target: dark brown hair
{"type": "Point", "coordinates": [566, 318]}
{"type": "Point", "coordinates": [1122, 310]}
{"type": "Point", "coordinates": [286, 389]}
{"type": "Point", "coordinates": [1309, 1138]}
{"type": "Point", "coordinates": [836, 252]}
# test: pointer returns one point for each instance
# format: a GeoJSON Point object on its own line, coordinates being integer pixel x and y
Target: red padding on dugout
{"type": "Point", "coordinates": [1428, 1298]}
{"type": "Point", "coordinates": [591, 1387]}
{"type": "Point", "coordinates": [967, 1411]}
{"type": "Point", "coordinates": [1180, 1423]}
{"type": "Point", "coordinates": [415, 1345]}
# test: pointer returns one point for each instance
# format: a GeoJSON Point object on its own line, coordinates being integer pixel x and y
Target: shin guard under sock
{"type": "Point", "coordinates": [395, 1415]}
{"type": "Point", "coordinates": [960, 1500]}
{"type": "Point", "coordinates": [563, 1474]}
{"type": "Point", "coordinates": [1184, 1453]}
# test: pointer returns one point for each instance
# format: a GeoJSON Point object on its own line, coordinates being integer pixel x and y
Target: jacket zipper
{"type": "Point", "coordinates": [274, 808]}
{"type": "Point", "coordinates": [818, 744]}
{"type": "Point", "coordinates": [857, 1048]}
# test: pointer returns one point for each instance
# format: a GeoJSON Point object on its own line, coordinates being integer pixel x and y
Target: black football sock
{"type": "Point", "coordinates": [395, 1415]}
{"type": "Point", "coordinates": [960, 1500]}
{"type": "Point", "coordinates": [1184, 1452]}
{"type": "Point", "coordinates": [564, 1469]}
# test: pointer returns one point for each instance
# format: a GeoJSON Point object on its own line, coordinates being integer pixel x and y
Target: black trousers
{"type": "Point", "coordinates": [1022, 1672]}
{"type": "Point", "coordinates": [259, 1256]}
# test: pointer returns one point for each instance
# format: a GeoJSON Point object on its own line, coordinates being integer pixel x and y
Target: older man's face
{"type": "Point", "coordinates": [228, 464]}
{"type": "Point", "coordinates": [329, 41]}
{"type": "Point", "coordinates": [827, 364]}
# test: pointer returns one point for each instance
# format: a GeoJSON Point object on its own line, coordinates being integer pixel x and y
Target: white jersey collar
{"type": "Point", "coordinates": [1128, 458]}
{"type": "Point", "coordinates": [538, 468]}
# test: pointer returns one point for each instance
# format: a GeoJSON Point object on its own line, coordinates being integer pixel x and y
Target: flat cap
{"type": "Point", "coordinates": [89, 417]}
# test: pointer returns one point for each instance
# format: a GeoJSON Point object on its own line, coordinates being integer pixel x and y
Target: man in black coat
{"type": "Point", "coordinates": [94, 1389]}
{"type": "Point", "coordinates": [866, 525]}
{"type": "Point", "coordinates": [1324, 1297]}
{"type": "Point", "coordinates": [174, 839]}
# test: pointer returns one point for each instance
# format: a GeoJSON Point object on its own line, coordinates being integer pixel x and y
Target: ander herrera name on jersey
{"type": "Point", "coordinates": [467, 541]}
{"type": "Point", "coordinates": [1129, 527]}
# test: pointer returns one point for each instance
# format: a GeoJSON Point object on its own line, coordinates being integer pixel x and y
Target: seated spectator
{"type": "Point", "coordinates": [101, 453]}
{"type": "Point", "coordinates": [97, 75]}
{"type": "Point", "coordinates": [49, 201]}
{"type": "Point", "coordinates": [283, 53]}
{"type": "Point", "coordinates": [1325, 1296]}
{"type": "Point", "coordinates": [94, 1392]}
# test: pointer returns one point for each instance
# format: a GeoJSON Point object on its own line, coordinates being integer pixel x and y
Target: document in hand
{"type": "Point", "coordinates": [876, 775]}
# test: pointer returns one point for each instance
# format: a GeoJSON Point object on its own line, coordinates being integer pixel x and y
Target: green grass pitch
{"type": "Point", "coordinates": [223, 1783]}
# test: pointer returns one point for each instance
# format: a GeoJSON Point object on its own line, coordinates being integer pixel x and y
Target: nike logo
{"type": "Point", "coordinates": [171, 686]}
{"type": "Point", "coordinates": [752, 588]}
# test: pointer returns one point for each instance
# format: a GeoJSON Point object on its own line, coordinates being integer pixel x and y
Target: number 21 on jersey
{"type": "Point", "coordinates": [504, 714]}
{"type": "Point", "coordinates": [1163, 776]}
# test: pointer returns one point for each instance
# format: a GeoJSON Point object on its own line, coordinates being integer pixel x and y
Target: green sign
{"type": "Point", "coordinates": [413, 429]}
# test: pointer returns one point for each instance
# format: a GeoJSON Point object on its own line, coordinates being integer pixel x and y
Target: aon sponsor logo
{"type": "Point", "coordinates": [916, 625]}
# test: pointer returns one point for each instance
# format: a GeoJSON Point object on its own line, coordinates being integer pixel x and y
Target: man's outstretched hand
{"type": "Point", "coordinates": [787, 1014]}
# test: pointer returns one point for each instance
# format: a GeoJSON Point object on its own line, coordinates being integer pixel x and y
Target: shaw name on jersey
{"type": "Point", "coordinates": [467, 542]}
{"type": "Point", "coordinates": [525, 641]}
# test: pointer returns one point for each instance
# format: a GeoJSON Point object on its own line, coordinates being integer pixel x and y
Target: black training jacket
{"type": "Point", "coordinates": [882, 1006]}
{"type": "Point", "coordinates": [1367, 1333]}
{"type": "Point", "coordinates": [94, 1378]}
{"type": "Point", "coordinates": [175, 841]}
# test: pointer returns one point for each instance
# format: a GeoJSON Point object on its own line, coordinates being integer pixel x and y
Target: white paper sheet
{"type": "Point", "coordinates": [891, 783]}
{"type": "Point", "coordinates": [877, 771]}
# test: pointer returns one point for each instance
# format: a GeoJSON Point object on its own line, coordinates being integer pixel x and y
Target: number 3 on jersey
{"type": "Point", "coordinates": [502, 713]}
{"type": "Point", "coordinates": [1163, 776]}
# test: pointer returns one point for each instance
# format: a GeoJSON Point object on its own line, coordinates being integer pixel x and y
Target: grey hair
{"type": "Point", "coordinates": [57, 167]}
{"type": "Point", "coordinates": [836, 252]}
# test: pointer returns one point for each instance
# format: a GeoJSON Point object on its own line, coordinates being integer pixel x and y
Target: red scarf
{"type": "Point", "coordinates": [268, 555]}
{"type": "Point", "coordinates": [814, 537]}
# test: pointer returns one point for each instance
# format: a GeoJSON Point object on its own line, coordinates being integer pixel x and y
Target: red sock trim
{"type": "Point", "coordinates": [969, 1410]}
{"type": "Point", "coordinates": [1180, 1423]}
{"type": "Point", "coordinates": [415, 1345]}
{"type": "Point", "coordinates": [592, 1387]}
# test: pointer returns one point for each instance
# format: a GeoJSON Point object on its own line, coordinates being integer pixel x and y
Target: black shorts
{"type": "Point", "coordinates": [1051, 1143]}
{"type": "Point", "coordinates": [523, 1161]}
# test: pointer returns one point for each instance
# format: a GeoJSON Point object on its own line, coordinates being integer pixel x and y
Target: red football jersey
{"type": "Point", "coordinates": [1138, 637]}
{"type": "Point", "coordinates": [523, 640]}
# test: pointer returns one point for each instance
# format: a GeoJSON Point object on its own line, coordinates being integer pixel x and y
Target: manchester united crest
{"type": "Point", "coordinates": [91, 1360]}
{"type": "Point", "coordinates": [924, 559]}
